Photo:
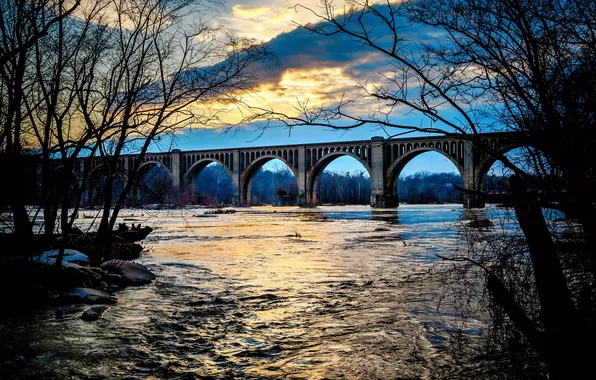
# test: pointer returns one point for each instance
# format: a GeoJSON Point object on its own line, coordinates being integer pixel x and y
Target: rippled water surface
{"type": "Point", "coordinates": [325, 293]}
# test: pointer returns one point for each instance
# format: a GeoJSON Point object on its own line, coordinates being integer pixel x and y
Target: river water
{"type": "Point", "coordinates": [324, 293]}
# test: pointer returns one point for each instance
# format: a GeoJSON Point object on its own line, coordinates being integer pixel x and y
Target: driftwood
{"type": "Point", "coordinates": [132, 234]}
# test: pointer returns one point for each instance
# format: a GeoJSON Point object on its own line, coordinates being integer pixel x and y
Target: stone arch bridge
{"type": "Point", "coordinates": [383, 159]}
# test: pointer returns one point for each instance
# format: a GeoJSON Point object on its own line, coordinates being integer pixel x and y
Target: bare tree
{"type": "Point", "coordinates": [520, 65]}
{"type": "Point", "coordinates": [23, 24]}
{"type": "Point", "coordinates": [220, 177]}
{"type": "Point", "coordinates": [149, 74]}
{"type": "Point", "coordinates": [51, 104]}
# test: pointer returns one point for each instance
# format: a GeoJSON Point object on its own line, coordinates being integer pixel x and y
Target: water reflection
{"type": "Point", "coordinates": [331, 292]}
{"type": "Point", "coordinates": [386, 215]}
{"type": "Point", "coordinates": [474, 214]}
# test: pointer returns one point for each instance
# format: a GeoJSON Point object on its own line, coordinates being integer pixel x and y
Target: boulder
{"type": "Point", "coordinates": [112, 278]}
{"type": "Point", "coordinates": [379, 229]}
{"type": "Point", "coordinates": [131, 273]}
{"type": "Point", "coordinates": [94, 313]}
{"type": "Point", "coordinates": [480, 223]}
{"type": "Point", "coordinates": [88, 295]}
{"type": "Point", "coordinates": [70, 256]}
{"type": "Point", "coordinates": [96, 270]}
{"type": "Point", "coordinates": [74, 275]}
{"type": "Point", "coordinates": [97, 276]}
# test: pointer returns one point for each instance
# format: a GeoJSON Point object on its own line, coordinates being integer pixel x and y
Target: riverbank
{"type": "Point", "coordinates": [28, 283]}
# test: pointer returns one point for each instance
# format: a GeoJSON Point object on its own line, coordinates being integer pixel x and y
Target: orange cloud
{"type": "Point", "coordinates": [247, 13]}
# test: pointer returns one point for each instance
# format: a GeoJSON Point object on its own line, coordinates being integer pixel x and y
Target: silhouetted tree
{"type": "Point", "coordinates": [214, 185]}
{"type": "Point", "coordinates": [23, 24]}
{"type": "Point", "coordinates": [518, 65]}
{"type": "Point", "coordinates": [345, 187]}
{"type": "Point", "coordinates": [147, 71]}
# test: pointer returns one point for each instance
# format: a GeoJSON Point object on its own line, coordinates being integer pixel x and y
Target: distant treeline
{"type": "Point", "coordinates": [345, 187]}
{"type": "Point", "coordinates": [425, 187]}
{"type": "Point", "coordinates": [278, 186]}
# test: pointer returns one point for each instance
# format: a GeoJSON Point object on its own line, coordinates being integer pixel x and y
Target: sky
{"type": "Point", "coordinates": [310, 68]}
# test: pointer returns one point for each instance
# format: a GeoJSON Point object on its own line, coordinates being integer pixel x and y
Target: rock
{"type": "Point", "coordinates": [94, 313]}
{"type": "Point", "coordinates": [220, 211]}
{"type": "Point", "coordinates": [382, 229]}
{"type": "Point", "coordinates": [112, 278]}
{"type": "Point", "coordinates": [97, 276]}
{"type": "Point", "coordinates": [132, 236]}
{"type": "Point", "coordinates": [96, 270]}
{"type": "Point", "coordinates": [132, 273]}
{"type": "Point", "coordinates": [126, 251]}
{"type": "Point", "coordinates": [74, 275]}
{"type": "Point", "coordinates": [480, 223]}
{"type": "Point", "coordinates": [88, 295]}
{"type": "Point", "coordinates": [70, 256]}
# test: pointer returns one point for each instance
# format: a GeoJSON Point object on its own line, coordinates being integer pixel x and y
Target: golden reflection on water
{"type": "Point", "coordinates": [280, 292]}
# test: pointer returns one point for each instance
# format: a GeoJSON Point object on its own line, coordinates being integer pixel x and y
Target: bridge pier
{"type": "Point", "coordinates": [473, 201]}
{"type": "Point", "coordinates": [384, 200]}
{"type": "Point", "coordinates": [381, 195]}
{"type": "Point", "coordinates": [301, 177]}
{"type": "Point", "coordinates": [236, 192]}
{"type": "Point", "coordinates": [176, 172]}
{"type": "Point", "coordinates": [470, 177]}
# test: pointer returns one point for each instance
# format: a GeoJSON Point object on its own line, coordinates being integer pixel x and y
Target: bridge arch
{"type": "Point", "coordinates": [61, 181]}
{"type": "Point", "coordinates": [314, 173]}
{"type": "Point", "coordinates": [59, 173]}
{"type": "Point", "coordinates": [142, 183]}
{"type": "Point", "coordinates": [93, 186]}
{"type": "Point", "coordinates": [487, 161]}
{"type": "Point", "coordinates": [197, 167]}
{"type": "Point", "coordinates": [248, 174]}
{"type": "Point", "coordinates": [393, 172]}
{"type": "Point", "coordinates": [146, 166]}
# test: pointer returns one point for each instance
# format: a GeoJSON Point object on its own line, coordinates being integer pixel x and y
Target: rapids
{"type": "Point", "coordinates": [266, 292]}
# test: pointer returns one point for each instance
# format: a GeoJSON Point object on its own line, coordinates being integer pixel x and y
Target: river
{"type": "Point", "coordinates": [266, 292]}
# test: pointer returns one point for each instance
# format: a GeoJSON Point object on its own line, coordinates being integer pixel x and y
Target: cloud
{"type": "Point", "coordinates": [248, 13]}
{"type": "Point", "coordinates": [263, 20]}
{"type": "Point", "coordinates": [322, 69]}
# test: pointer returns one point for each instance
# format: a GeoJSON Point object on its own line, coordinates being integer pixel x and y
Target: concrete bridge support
{"type": "Point", "coordinates": [381, 195]}
{"type": "Point", "coordinates": [469, 174]}
{"type": "Point", "coordinates": [236, 191]}
{"type": "Point", "coordinates": [301, 177]}
{"type": "Point", "coordinates": [176, 170]}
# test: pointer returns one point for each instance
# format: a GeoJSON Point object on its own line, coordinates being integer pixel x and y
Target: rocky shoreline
{"type": "Point", "coordinates": [94, 285]}
{"type": "Point", "coordinates": [28, 285]}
